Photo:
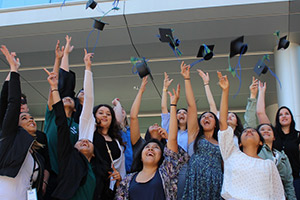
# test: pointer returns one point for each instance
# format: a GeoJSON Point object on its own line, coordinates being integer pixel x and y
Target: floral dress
{"type": "Point", "coordinates": [204, 175]}
{"type": "Point", "coordinates": [168, 171]}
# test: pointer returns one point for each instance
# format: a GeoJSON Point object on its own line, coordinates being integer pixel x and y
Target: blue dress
{"type": "Point", "coordinates": [204, 175]}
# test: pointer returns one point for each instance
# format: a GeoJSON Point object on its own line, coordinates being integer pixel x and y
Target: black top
{"type": "Point", "coordinates": [151, 190]}
{"type": "Point", "coordinates": [15, 141]}
{"type": "Point", "coordinates": [42, 139]}
{"type": "Point", "coordinates": [73, 166]}
{"type": "Point", "coordinates": [102, 165]}
{"type": "Point", "coordinates": [290, 144]}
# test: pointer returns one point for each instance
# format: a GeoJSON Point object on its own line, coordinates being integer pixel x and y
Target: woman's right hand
{"type": "Point", "coordinates": [11, 58]}
{"type": "Point", "coordinates": [185, 70]}
{"type": "Point", "coordinates": [143, 84]}
{"type": "Point", "coordinates": [68, 48]}
{"type": "Point", "coordinates": [204, 76]}
{"type": "Point", "coordinates": [59, 53]}
{"type": "Point", "coordinates": [262, 86]}
{"type": "Point", "coordinates": [175, 96]}
{"type": "Point", "coordinates": [167, 81]}
{"type": "Point", "coordinates": [52, 79]}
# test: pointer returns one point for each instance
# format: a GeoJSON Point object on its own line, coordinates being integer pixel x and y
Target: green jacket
{"type": "Point", "coordinates": [284, 169]}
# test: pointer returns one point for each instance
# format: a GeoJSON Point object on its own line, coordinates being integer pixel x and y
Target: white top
{"type": "Point", "coordinates": [16, 188]}
{"type": "Point", "coordinates": [245, 177]}
{"type": "Point", "coordinates": [87, 120]}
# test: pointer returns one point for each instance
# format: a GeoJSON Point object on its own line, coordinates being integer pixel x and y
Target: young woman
{"type": "Point", "coordinates": [204, 174]}
{"type": "Point", "coordinates": [279, 157]}
{"type": "Point", "coordinates": [286, 136]}
{"type": "Point", "coordinates": [76, 179]}
{"type": "Point", "coordinates": [21, 167]}
{"type": "Point", "coordinates": [156, 174]}
{"type": "Point", "coordinates": [233, 119]}
{"type": "Point", "coordinates": [246, 175]}
{"type": "Point", "coordinates": [154, 131]}
{"type": "Point", "coordinates": [109, 152]}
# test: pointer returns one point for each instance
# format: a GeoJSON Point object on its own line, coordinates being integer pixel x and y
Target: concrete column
{"type": "Point", "coordinates": [287, 67]}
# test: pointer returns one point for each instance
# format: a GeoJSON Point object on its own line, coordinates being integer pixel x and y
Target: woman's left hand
{"type": "Point", "coordinates": [163, 133]}
{"type": "Point", "coordinates": [223, 81]}
{"type": "Point", "coordinates": [115, 174]}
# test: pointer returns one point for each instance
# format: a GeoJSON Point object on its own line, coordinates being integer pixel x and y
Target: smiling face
{"type": "Point", "coordinates": [103, 117]}
{"type": "Point", "coordinates": [151, 154]}
{"type": "Point", "coordinates": [27, 122]}
{"type": "Point", "coordinates": [232, 120]}
{"type": "Point", "coordinates": [68, 102]}
{"type": "Point", "coordinates": [182, 116]}
{"type": "Point", "coordinates": [285, 117]}
{"type": "Point", "coordinates": [85, 147]}
{"type": "Point", "coordinates": [208, 121]}
{"type": "Point", "coordinates": [250, 137]}
{"type": "Point", "coordinates": [267, 132]}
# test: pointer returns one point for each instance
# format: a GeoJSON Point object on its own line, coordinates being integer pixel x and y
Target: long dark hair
{"type": "Point", "coordinates": [261, 138]}
{"type": "Point", "coordinates": [239, 128]}
{"type": "Point", "coordinates": [114, 128]}
{"type": "Point", "coordinates": [137, 164]}
{"type": "Point", "coordinates": [278, 126]}
{"type": "Point", "coordinates": [273, 129]}
{"type": "Point", "coordinates": [201, 131]}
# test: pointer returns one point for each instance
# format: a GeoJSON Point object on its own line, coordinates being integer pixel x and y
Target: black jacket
{"type": "Point", "coordinates": [15, 142]}
{"type": "Point", "coordinates": [73, 166]}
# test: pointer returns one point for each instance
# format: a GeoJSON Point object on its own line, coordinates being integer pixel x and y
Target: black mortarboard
{"type": "Point", "coordinates": [99, 25]}
{"type": "Point", "coordinates": [142, 68]}
{"type": "Point", "coordinates": [237, 46]}
{"type": "Point", "coordinates": [166, 35]}
{"type": "Point", "coordinates": [283, 43]}
{"type": "Point", "coordinates": [206, 51]}
{"type": "Point", "coordinates": [260, 67]}
{"type": "Point", "coordinates": [91, 3]}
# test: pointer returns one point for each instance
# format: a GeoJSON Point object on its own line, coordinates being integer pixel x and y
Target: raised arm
{"type": "Point", "coordinates": [68, 49]}
{"type": "Point", "coordinates": [261, 108]}
{"type": "Point", "coordinates": [173, 128]}
{"type": "Point", "coordinates": [134, 121]}
{"type": "Point", "coordinates": [87, 120]}
{"type": "Point", "coordinates": [118, 111]}
{"type": "Point", "coordinates": [58, 56]}
{"type": "Point", "coordinates": [209, 96]}
{"type": "Point", "coordinates": [192, 122]}
{"type": "Point", "coordinates": [224, 84]}
{"type": "Point", "coordinates": [250, 114]}
{"type": "Point", "coordinates": [11, 117]}
{"type": "Point", "coordinates": [167, 82]}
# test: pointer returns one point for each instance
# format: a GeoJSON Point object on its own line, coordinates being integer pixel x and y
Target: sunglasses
{"type": "Point", "coordinates": [23, 101]}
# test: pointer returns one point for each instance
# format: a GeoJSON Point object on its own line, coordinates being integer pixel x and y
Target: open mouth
{"type": "Point", "coordinates": [150, 154]}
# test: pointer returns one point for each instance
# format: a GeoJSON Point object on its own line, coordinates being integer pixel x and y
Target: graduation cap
{"type": "Point", "coordinates": [260, 67]}
{"type": "Point", "coordinates": [99, 24]}
{"type": "Point", "coordinates": [141, 66]}
{"type": "Point", "coordinates": [206, 51]}
{"type": "Point", "coordinates": [283, 43]}
{"type": "Point", "coordinates": [91, 4]}
{"type": "Point", "coordinates": [237, 46]}
{"type": "Point", "coordinates": [166, 36]}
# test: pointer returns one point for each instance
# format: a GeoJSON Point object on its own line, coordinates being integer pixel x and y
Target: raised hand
{"type": "Point", "coordinates": [253, 88]}
{"type": "Point", "coordinates": [185, 70]}
{"type": "Point", "coordinates": [143, 84]}
{"type": "Point", "coordinates": [262, 87]}
{"type": "Point", "coordinates": [204, 76]}
{"type": "Point", "coordinates": [59, 53]}
{"type": "Point", "coordinates": [223, 81]}
{"type": "Point", "coordinates": [175, 96]}
{"type": "Point", "coordinates": [163, 133]}
{"type": "Point", "coordinates": [87, 59]}
{"type": "Point", "coordinates": [167, 81]}
{"type": "Point", "coordinates": [52, 79]}
{"type": "Point", "coordinates": [115, 102]}
{"type": "Point", "coordinates": [14, 62]}
{"type": "Point", "coordinates": [68, 48]}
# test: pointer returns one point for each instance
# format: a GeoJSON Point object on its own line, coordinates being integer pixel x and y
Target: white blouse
{"type": "Point", "coordinates": [245, 177]}
{"type": "Point", "coordinates": [16, 188]}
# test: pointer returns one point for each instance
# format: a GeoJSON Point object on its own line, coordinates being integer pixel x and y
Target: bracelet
{"type": "Point", "coordinates": [45, 182]}
{"type": "Point", "coordinates": [187, 79]}
{"type": "Point", "coordinates": [165, 90]}
{"type": "Point", "coordinates": [54, 90]}
{"type": "Point", "coordinates": [173, 104]}
{"type": "Point", "coordinates": [206, 84]}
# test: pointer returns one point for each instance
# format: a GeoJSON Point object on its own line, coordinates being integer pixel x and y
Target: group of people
{"type": "Point", "coordinates": [89, 152]}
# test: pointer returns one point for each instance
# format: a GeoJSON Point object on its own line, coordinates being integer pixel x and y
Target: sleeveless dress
{"type": "Point", "coordinates": [204, 175]}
